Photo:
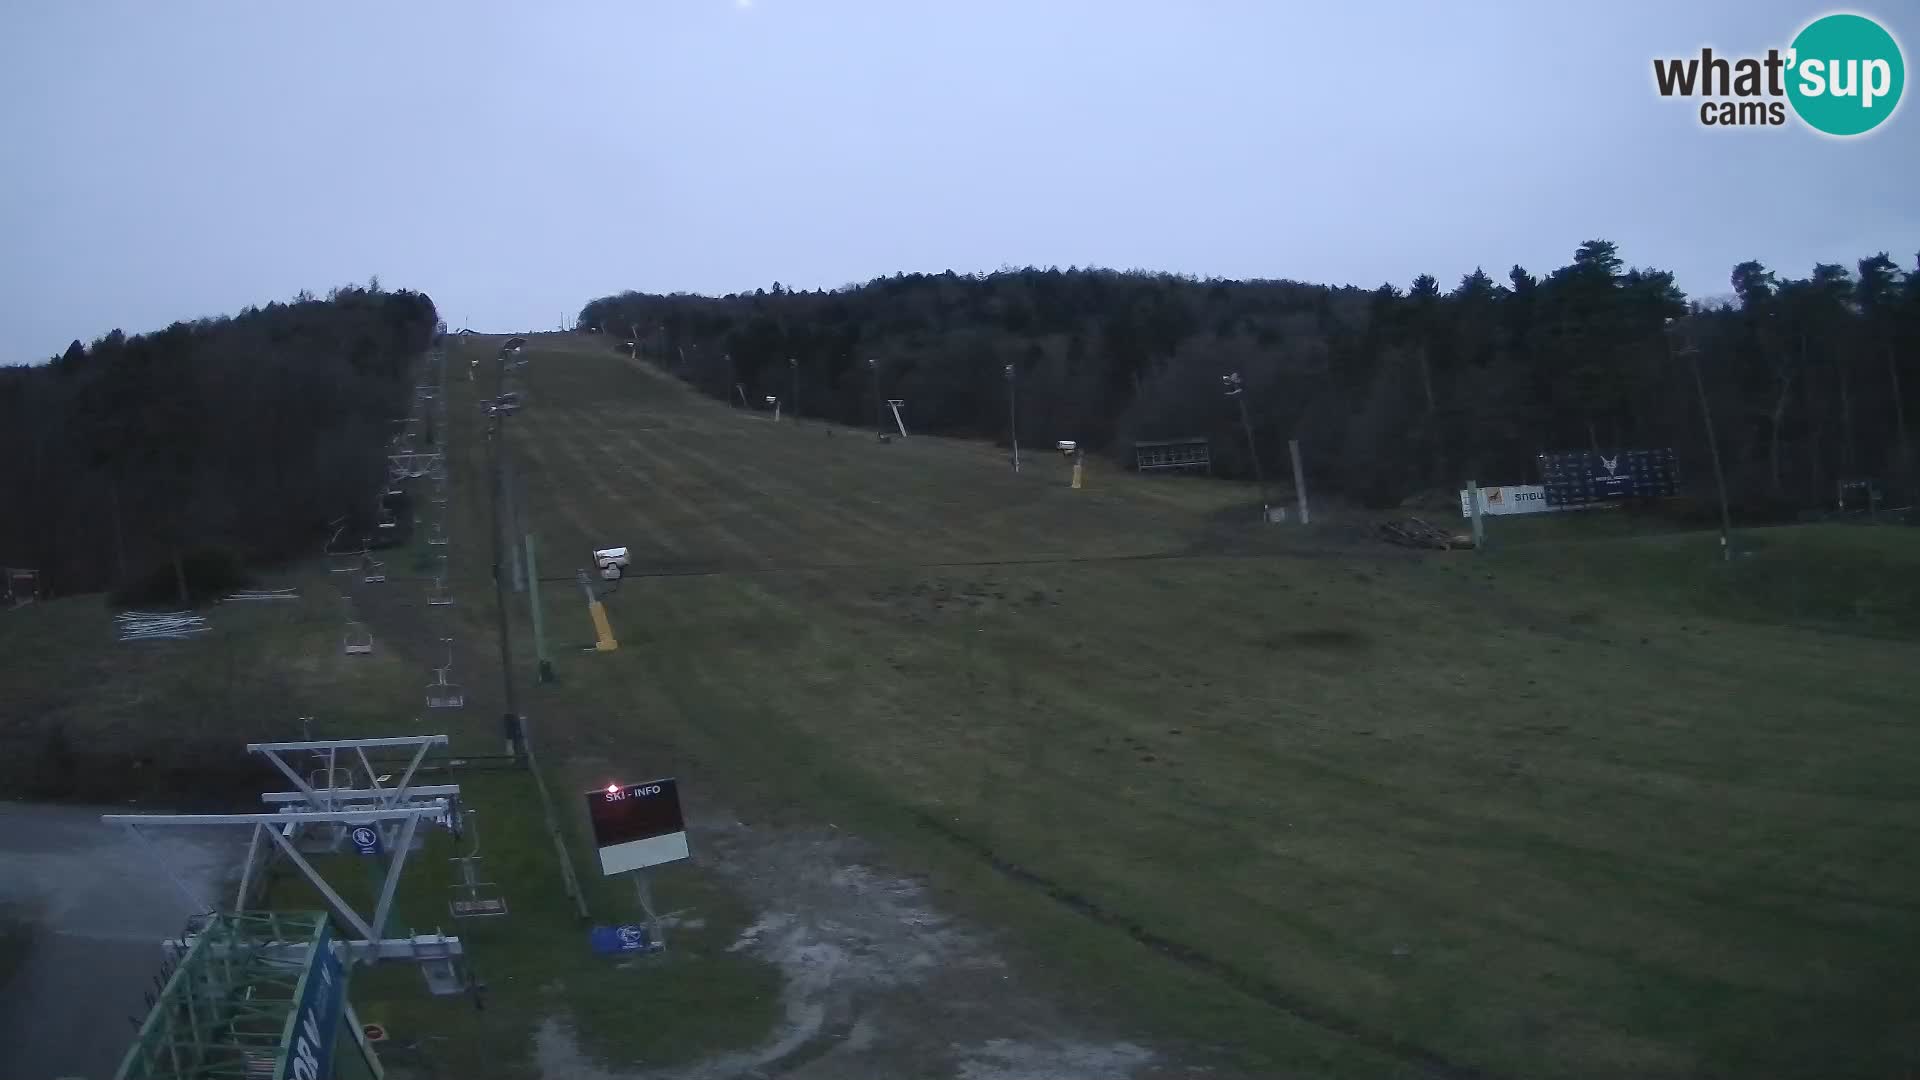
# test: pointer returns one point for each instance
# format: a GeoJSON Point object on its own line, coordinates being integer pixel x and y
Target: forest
{"type": "Point", "coordinates": [1393, 392]}
{"type": "Point", "coordinates": [219, 443]}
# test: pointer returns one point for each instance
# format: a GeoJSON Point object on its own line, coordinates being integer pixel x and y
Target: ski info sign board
{"type": "Point", "coordinates": [637, 825]}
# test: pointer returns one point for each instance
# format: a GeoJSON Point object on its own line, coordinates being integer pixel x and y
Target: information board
{"type": "Point", "coordinates": [637, 825]}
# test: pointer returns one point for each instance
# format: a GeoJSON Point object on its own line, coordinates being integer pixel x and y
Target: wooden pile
{"type": "Point", "coordinates": [1418, 533]}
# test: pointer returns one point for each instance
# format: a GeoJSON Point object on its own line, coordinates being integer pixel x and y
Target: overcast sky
{"type": "Point", "coordinates": [172, 160]}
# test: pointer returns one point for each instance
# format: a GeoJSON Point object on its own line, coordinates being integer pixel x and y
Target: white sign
{"type": "Point", "coordinates": [1509, 499]}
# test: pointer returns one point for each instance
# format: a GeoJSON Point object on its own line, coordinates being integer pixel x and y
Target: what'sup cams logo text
{"type": "Point", "coordinates": [1842, 76]}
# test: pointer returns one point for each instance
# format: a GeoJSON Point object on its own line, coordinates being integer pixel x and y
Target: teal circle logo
{"type": "Point", "coordinates": [1846, 75]}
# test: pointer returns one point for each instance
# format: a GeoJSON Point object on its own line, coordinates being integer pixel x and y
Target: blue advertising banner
{"type": "Point", "coordinates": [316, 1013]}
{"type": "Point", "coordinates": [618, 939]}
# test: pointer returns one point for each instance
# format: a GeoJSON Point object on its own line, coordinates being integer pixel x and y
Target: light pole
{"type": "Point", "coordinates": [873, 365]}
{"type": "Point", "coordinates": [1692, 353]}
{"type": "Point", "coordinates": [1013, 415]}
{"type": "Point", "coordinates": [793, 402]}
{"type": "Point", "coordinates": [498, 410]}
{"type": "Point", "coordinates": [1237, 390]}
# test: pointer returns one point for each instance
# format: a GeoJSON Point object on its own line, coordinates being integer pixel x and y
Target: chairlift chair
{"type": "Point", "coordinates": [357, 640]}
{"type": "Point", "coordinates": [339, 561]}
{"type": "Point", "coordinates": [439, 537]}
{"type": "Point", "coordinates": [473, 898]}
{"type": "Point", "coordinates": [375, 571]}
{"type": "Point", "coordinates": [438, 596]}
{"type": "Point", "coordinates": [441, 692]}
{"type": "Point", "coordinates": [323, 779]}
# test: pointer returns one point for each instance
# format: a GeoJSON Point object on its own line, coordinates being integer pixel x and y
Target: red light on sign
{"type": "Point", "coordinates": [611, 788]}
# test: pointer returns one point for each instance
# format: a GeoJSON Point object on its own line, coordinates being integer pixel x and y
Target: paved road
{"type": "Point", "coordinates": [99, 905]}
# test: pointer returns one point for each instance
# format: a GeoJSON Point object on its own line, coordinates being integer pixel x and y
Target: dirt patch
{"type": "Point", "coordinates": [878, 981]}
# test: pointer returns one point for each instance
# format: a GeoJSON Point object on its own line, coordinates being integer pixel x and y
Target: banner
{"type": "Point", "coordinates": [1509, 499]}
{"type": "Point", "coordinates": [309, 1042]}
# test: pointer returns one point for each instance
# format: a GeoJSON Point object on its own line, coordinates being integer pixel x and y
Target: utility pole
{"type": "Point", "coordinates": [497, 438]}
{"type": "Point", "coordinates": [1299, 478]}
{"type": "Point", "coordinates": [1692, 353]}
{"type": "Point", "coordinates": [1013, 415]}
{"type": "Point", "coordinates": [1236, 389]}
{"type": "Point", "coordinates": [544, 674]}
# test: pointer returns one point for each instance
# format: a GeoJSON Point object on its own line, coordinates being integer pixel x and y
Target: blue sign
{"type": "Point", "coordinates": [1590, 476]}
{"type": "Point", "coordinates": [309, 1040]}
{"type": "Point", "coordinates": [366, 839]}
{"type": "Point", "coordinates": [627, 937]}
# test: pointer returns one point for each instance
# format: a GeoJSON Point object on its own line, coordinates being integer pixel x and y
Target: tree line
{"type": "Point", "coordinates": [1393, 391]}
{"type": "Point", "coordinates": [231, 439]}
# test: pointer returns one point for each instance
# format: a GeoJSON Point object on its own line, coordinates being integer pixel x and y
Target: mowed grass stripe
{"type": "Point", "coordinates": [646, 494]}
{"type": "Point", "coordinates": [926, 479]}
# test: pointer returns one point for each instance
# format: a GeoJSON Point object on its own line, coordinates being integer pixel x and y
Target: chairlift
{"type": "Point", "coordinates": [325, 779]}
{"type": "Point", "coordinates": [339, 561]}
{"type": "Point", "coordinates": [439, 596]}
{"type": "Point", "coordinates": [473, 898]}
{"type": "Point", "coordinates": [357, 640]}
{"type": "Point", "coordinates": [439, 537]}
{"type": "Point", "coordinates": [441, 692]}
{"type": "Point", "coordinates": [375, 571]}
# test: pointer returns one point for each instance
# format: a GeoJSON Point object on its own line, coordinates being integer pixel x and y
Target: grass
{"type": "Point", "coordinates": [1565, 809]}
{"type": "Point", "coordinates": [166, 719]}
{"type": "Point", "coordinates": [1589, 803]}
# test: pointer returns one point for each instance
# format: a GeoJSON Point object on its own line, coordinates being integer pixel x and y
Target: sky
{"type": "Point", "coordinates": [514, 160]}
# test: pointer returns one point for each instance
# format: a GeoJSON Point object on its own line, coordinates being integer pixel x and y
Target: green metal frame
{"type": "Point", "coordinates": [227, 1009]}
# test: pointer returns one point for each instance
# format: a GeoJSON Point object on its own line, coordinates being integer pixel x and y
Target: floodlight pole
{"type": "Point", "coordinates": [497, 440]}
{"type": "Point", "coordinates": [1013, 415]}
{"type": "Point", "coordinates": [1692, 353]}
{"type": "Point", "coordinates": [1299, 478]}
{"type": "Point", "coordinates": [544, 673]}
{"type": "Point", "coordinates": [1237, 391]}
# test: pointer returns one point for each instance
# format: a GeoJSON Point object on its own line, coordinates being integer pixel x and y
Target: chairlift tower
{"type": "Point", "coordinates": [384, 820]}
{"type": "Point", "coordinates": [233, 1000]}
